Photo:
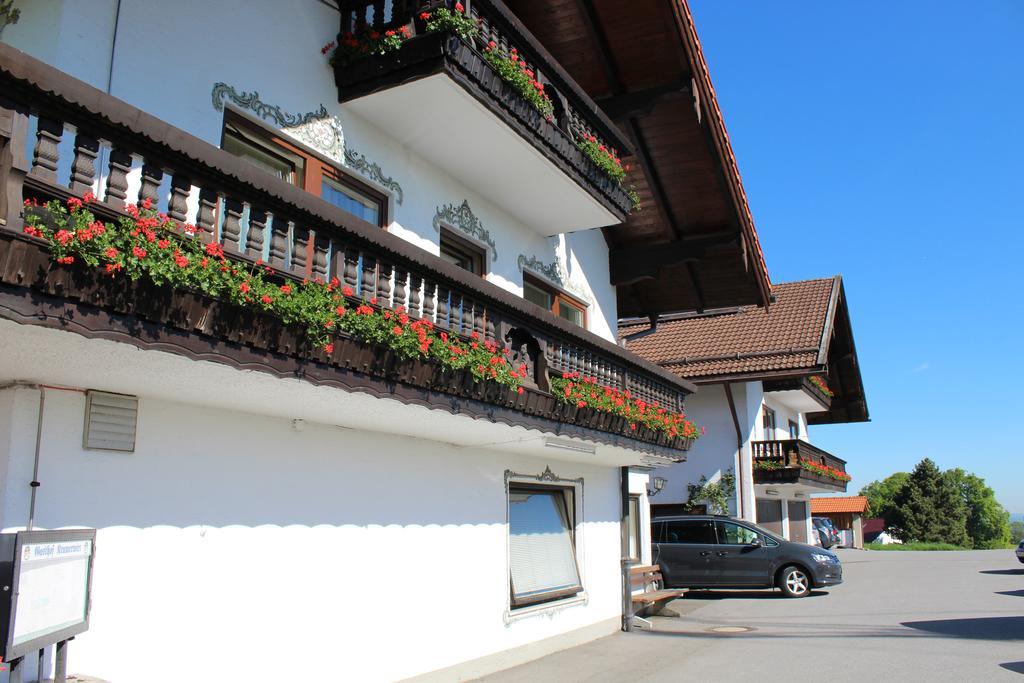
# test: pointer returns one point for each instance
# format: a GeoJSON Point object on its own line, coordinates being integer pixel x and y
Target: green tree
{"type": "Point", "coordinates": [929, 508]}
{"type": "Point", "coordinates": [988, 524]}
{"type": "Point", "coordinates": [715, 494]}
{"type": "Point", "coordinates": [880, 494]}
{"type": "Point", "coordinates": [1016, 532]}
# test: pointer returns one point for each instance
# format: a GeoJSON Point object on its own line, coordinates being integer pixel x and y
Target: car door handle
{"type": "Point", "coordinates": [705, 553]}
{"type": "Point", "coordinates": [722, 554]}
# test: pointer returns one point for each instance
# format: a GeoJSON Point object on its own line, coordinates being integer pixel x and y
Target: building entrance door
{"type": "Point", "coordinates": [798, 521]}
{"type": "Point", "coordinates": [769, 515]}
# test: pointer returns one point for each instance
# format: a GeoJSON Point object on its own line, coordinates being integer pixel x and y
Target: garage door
{"type": "Point", "coordinates": [769, 515]}
{"type": "Point", "coordinates": [798, 521]}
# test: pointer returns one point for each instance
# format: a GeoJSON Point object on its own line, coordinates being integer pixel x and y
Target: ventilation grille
{"type": "Point", "coordinates": [110, 421]}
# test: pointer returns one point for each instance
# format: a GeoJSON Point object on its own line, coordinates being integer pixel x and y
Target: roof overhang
{"type": "Point", "coordinates": [833, 358]}
{"type": "Point", "coordinates": [693, 245]}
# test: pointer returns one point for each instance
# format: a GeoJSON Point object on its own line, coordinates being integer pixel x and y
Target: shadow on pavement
{"type": "Point", "coordinates": [1018, 594]}
{"type": "Point", "coordinates": [756, 594]}
{"type": "Point", "coordinates": [1016, 667]}
{"type": "Point", "coordinates": [981, 628]}
{"type": "Point", "coordinates": [1011, 572]}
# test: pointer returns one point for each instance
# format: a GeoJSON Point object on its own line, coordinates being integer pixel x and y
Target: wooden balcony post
{"type": "Point", "coordinates": [83, 168]}
{"type": "Point", "coordinates": [13, 164]}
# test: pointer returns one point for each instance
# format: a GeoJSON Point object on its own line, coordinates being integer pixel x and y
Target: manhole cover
{"type": "Point", "coordinates": [730, 629]}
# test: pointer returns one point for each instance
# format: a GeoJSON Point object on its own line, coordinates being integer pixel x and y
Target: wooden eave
{"type": "Point", "coordinates": [693, 245]}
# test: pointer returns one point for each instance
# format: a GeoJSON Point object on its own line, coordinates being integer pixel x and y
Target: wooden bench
{"type": "Point", "coordinates": [651, 600]}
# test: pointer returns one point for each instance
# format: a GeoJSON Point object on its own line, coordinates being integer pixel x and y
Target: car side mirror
{"type": "Point", "coordinates": [756, 543]}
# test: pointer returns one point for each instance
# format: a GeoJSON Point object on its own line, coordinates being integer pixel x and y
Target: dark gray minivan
{"type": "Point", "coordinates": [711, 551]}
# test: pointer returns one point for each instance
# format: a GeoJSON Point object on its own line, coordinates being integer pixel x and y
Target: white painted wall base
{"type": "Point", "coordinates": [468, 671]}
{"type": "Point", "coordinates": [233, 547]}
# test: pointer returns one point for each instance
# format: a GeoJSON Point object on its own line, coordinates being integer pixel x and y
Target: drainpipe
{"type": "Point", "coordinates": [34, 484]}
{"type": "Point", "coordinates": [741, 502]}
{"type": "Point", "coordinates": [627, 592]}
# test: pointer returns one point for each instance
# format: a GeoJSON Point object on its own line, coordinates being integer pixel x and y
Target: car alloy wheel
{"type": "Point", "coordinates": [795, 583]}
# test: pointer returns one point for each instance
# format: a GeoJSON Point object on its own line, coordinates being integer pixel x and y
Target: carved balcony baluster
{"type": "Point", "coordinates": [46, 153]}
{"type": "Point", "coordinates": [320, 247]}
{"type": "Point", "coordinates": [117, 178]}
{"type": "Point", "coordinates": [152, 177]}
{"type": "Point", "coordinates": [83, 168]}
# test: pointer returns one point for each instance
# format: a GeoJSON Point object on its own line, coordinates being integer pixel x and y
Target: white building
{"type": "Point", "coordinates": [270, 508]}
{"type": "Point", "coordinates": [764, 380]}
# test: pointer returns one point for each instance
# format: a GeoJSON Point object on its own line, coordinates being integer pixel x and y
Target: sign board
{"type": "Point", "coordinates": [45, 582]}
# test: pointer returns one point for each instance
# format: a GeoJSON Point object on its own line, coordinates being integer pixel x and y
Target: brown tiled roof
{"type": "Point", "coordinates": [839, 504]}
{"type": "Point", "coordinates": [787, 336]}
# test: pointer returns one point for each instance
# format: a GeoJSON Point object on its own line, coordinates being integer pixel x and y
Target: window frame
{"type": "Point", "coordinates": [794, 429]}
{"type": "Point", "coordinates": [769, 423]}
{"type": "Point", "coordinates": [558, 297]}
{"type": "Point", "coordinates": [315, 166]}
{"type": "Point", "coordinates": [463, 246]}
{"type": "Point", "coordinates": [568, 499]}
{"type": "Point", "coordinates": [635, 526]}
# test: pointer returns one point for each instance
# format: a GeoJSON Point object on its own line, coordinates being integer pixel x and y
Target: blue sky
{"type": "Point", "coordinates": [883, 141]}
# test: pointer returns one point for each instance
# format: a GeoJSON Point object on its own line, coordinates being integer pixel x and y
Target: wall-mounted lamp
{"type": "Point", "coordinates": [659, 484]}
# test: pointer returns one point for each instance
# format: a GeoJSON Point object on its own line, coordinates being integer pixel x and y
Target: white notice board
{"type": "Point", "coordinates": [53, 588]}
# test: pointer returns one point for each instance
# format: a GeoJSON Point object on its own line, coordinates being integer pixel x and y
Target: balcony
{"type": "Point", "coordinates": [290, 236]}
{"type": "Point", "coordinates": [793, 461]}
{"type": "Point", "coordinates": [799, 393]}
{"type": "Point", "coordinates": [438, 95]}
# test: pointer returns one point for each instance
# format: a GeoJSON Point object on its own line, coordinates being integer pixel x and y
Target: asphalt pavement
{"type": "Point", "coordinates": [899, 616]}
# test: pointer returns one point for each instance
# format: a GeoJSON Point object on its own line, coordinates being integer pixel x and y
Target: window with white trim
{"type": "Point", "coordinates": [542, 544]}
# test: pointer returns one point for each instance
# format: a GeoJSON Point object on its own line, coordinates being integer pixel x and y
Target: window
{"type": "Point", "coordinates": [734, 534]}
{"type": "Point", "coordinates": [542, 544]}
{"type": "Point", "coordinates": [462, 253]}
{"type": "Point", "coordinates": [551, 299]}
{"type": "Point", "coordinates": [633, 524]}
{"type": "Point", "coordinates": [302, 167]}
{"type": "Point", "coordinates": [794, 430]}
{"type": "Point", "coordinates": [769, 423]}
{"type": "Point", "coordinates": [700, 531]}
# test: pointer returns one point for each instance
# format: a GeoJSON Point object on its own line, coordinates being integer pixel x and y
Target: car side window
{"type": "Point", "coordinates": [657, 532]}
{"type": "Point", "coordinates": [734, 534]}
{"type": "Point", "coordinates": [689, 531]}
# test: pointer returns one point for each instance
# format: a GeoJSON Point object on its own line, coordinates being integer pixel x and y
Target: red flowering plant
{"type": "Point", "coordinates": [147, 244]}
{"type": "Point", "coordinates": [819, 382]}
{"type": "Point", "coordinates": [513, 69]}
{"type": "Point", "coordinates": [444, 19]}
{"type": "Point", "coordinates": [824, 470]}
{"type": "Point", "coordinates": [585, 392]}
{"type": "Point", "coordinates": [605, 158]}
{"type": "Point", "coordinates": [364, 42]}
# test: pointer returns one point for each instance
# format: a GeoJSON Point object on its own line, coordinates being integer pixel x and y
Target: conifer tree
{"type": "Point", "coordinates": [928, 508]}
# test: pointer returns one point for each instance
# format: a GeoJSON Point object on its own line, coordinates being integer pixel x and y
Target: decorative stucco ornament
{"type": "Point", "coordinates": [318, 129]}
{"type": "Point", "coordinates": [553, 272]}
{"type": "Point", "coordinates": [463, 219]}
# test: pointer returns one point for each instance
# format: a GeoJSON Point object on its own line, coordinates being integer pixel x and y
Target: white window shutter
{"type": "Point", "coordinates": [110, 421]}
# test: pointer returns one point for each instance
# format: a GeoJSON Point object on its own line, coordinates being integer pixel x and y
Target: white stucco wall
{"type": "Point", "coordinates": [232, 547]}
{"type": "Point", "coordinates": [166, 61]}
{"type": "Point", "coordinates": [716, 452]}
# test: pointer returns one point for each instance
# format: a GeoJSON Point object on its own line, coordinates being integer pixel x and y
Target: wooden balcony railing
{"type": "Point", "coordinates": [256, 216]}
{"type": "Point", "coordinates": [792, 460]}
{"type": "Point", "coordinates": [576, 116]}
